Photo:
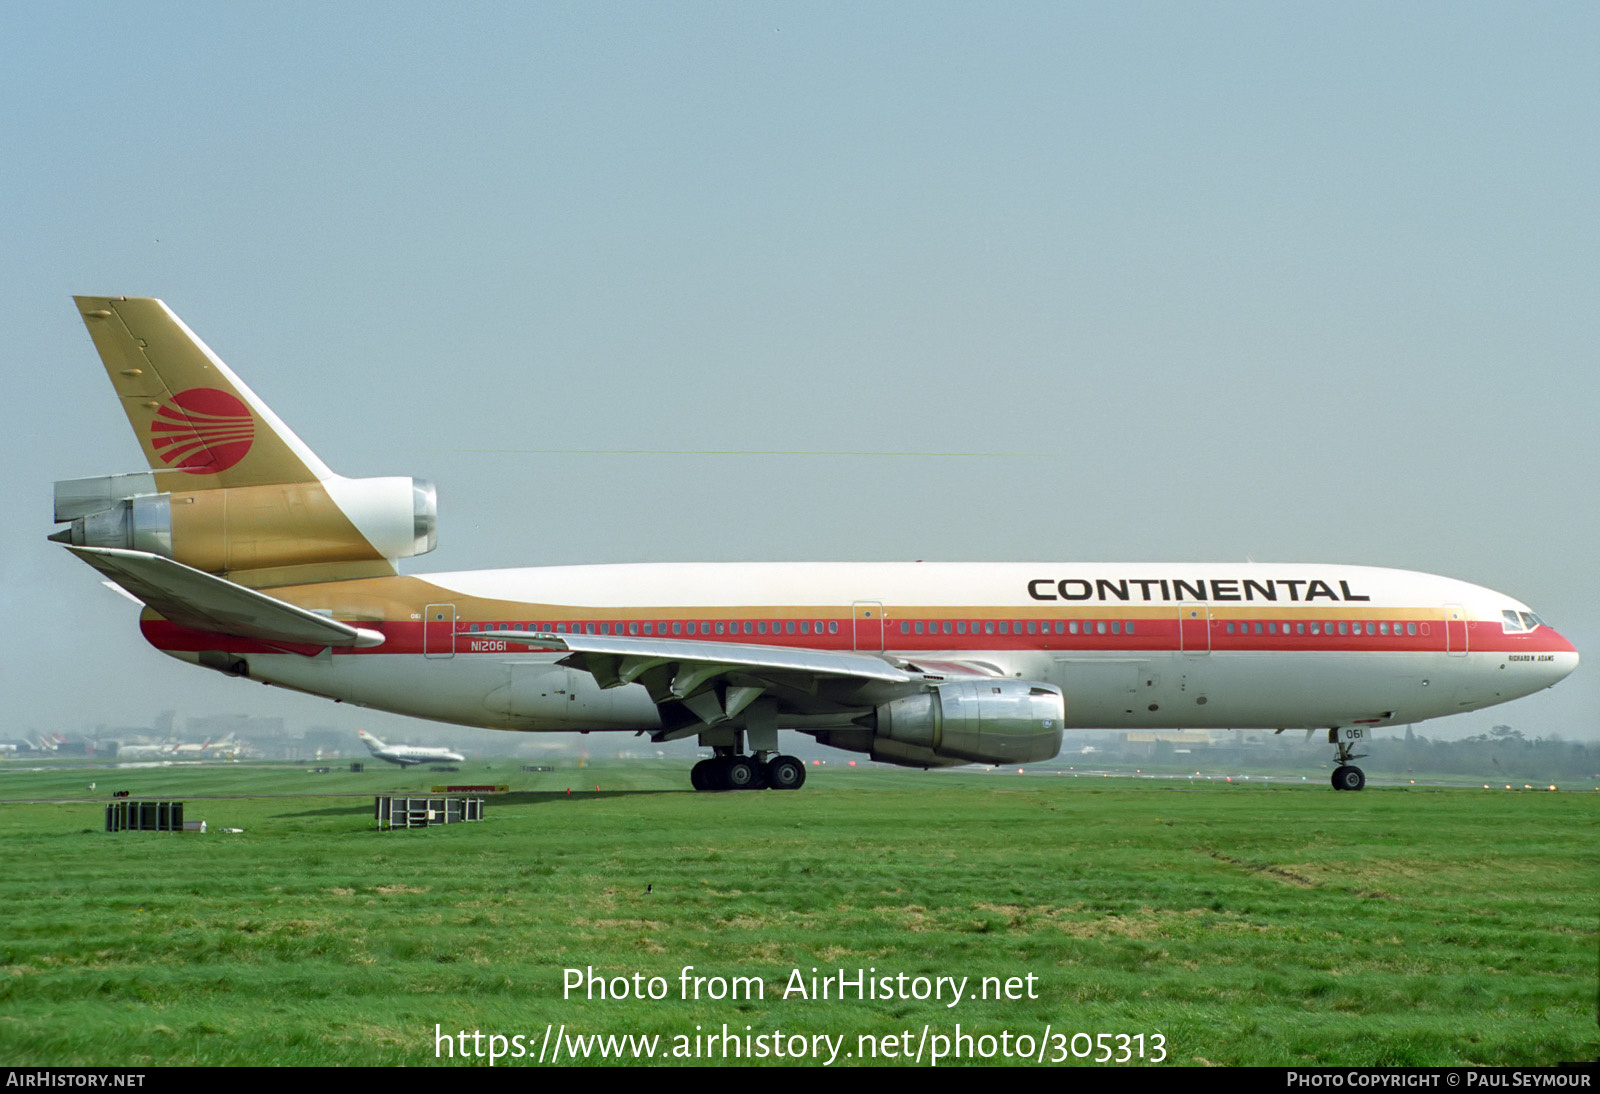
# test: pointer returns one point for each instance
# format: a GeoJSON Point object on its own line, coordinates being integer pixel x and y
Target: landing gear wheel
{"type": "Point", "coordinates": [786, 773]}
{"type": "Point", "coordinates": [1348, 777]}
{"type": "Point", "coordinates": [739, 773]}
{"type": "Point", "coordinates": [700, 775]}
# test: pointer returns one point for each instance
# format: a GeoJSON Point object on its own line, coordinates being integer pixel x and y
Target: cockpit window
{"type": "Point", "coordinates": [1519, 622]}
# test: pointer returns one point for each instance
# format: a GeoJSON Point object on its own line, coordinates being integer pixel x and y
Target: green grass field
{"type": "Point", "coordinates": [1241, 924]}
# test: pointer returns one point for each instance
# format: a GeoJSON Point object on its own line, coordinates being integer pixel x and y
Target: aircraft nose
{"type": "Point", "coordinates": [1565, 656]}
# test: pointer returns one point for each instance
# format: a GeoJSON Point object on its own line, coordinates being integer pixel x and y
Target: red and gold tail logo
{"type": "Point", "coordinates": [203, 431]}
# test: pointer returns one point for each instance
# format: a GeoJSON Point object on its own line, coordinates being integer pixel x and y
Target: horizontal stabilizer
{"type": "Point", "coordinates": [198, 600]}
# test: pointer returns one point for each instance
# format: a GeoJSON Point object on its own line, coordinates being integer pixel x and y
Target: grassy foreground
{"type": "Point", "coordinates": [1244, 925]}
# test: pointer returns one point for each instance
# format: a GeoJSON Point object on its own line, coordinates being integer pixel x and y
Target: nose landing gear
{"type": "Point", "coordinates": [1347, 776]}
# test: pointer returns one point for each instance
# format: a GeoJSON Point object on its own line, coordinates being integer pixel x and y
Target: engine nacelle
{"type": "Point", "coordinates": [254, 527]}
{"type": "Point", "coordinates": [991, 721]}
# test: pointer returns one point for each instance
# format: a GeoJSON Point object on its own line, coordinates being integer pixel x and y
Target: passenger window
{"type": "Point", "coordinates": [1344, 628]}
{"type": "Point", "coordinates": [788, 626]}
{"type": "Point", "coordinates": [1411, 628]}
{"type": "Point", "coordinates": [1100, 627]}
{"type": "Point", "coordinates": [920, 627]}
{"type": "Point", "coordinates": [1033, 627]}
{"type": "Point", "coordinates": [833, 626]}
{"type": "Point", "coordinates": [805, 627]}
{"type": "Point", "coordinates": [1072, 627]}
{"type": "Point", "coordinates": [1116, 626]}
{"type": "Point", "coordinates": [1130, 626]}
{"type": "Point", "coordinates": [905, 626]}
{"type": "Point", "coordinates": [761, 627]}
{"type": "Point", "coordinates": [988, 626]}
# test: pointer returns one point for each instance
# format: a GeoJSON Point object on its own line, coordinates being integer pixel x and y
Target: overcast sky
{"type": "Point", "coordinates": [1308, 282]}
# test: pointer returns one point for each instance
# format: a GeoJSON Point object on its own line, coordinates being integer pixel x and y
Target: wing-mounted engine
{"type": "Point", "coordinates": [985, 720]}
{"type": "Point", "coordinates": [236, 530]}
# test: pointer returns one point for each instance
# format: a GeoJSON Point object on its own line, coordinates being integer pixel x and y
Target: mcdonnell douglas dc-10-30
{"type": "Point", "coordinates": [256, 560]}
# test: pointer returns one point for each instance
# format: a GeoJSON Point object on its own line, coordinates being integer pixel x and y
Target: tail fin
{"type": "Point", "coordinates": [373, 744]}
{"type": "Point", "coordinates": [199, 425]}
{"type": "Point", "coordinates": [231, 490]}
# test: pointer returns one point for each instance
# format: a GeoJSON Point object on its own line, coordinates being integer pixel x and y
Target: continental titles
{"type": "Point", "coordinates": [1177, 590]}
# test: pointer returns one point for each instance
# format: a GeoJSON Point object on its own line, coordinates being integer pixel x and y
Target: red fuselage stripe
{"type": "Point", "coordinates": [1167, 635]}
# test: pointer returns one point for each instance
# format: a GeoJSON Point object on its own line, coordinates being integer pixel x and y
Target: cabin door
{"type": "Point", "coordinates": [1455, 630]}
{"type": "Point", "coordinates": [1194, 629]}
{"type": "Point", "coordinates": [439, 630]}
{"type": "Point", "coordinates": [868, 625]}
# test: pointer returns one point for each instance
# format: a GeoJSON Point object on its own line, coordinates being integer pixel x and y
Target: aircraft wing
{"type": "Point", "coordinates": [714, 680]}
{"type": "Point", "coordinates": [193, 598]}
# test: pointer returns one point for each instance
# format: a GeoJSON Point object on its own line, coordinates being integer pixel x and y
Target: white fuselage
{"type": "Point", "coordinates": [1131, 646]}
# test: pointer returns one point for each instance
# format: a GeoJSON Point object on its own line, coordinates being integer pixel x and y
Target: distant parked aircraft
{"type": "Point", "coordinates": [408, 755]}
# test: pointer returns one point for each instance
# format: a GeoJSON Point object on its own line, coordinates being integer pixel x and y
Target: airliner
{"type": "Point", "coordinates": [254, 559]}
{"type": "Point", "coordinates": [408, 755]}
{"type": "Point", "coordinates": [168, 749]}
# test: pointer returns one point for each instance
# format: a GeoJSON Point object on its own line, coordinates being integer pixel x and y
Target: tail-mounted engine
{"type": "Point", "coordinates": [247, 528]}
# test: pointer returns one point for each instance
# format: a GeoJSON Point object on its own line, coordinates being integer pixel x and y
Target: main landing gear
{"type": "Point", "coordinates": [734, 772]}
{"type": "Point", "coordinates": [1347, 776]}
